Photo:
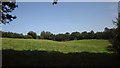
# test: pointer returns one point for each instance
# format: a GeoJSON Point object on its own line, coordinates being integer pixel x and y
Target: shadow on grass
{"type": "Point", "coordinates": [12, 58]}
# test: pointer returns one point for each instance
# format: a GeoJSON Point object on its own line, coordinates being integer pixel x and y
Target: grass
{"type": "Point", "coordinates": [36, 53]}
{"type": "Point", "coordinates": [97, 46]}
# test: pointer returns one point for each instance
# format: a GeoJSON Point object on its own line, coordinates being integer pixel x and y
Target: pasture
{"type": "Point", "coordinates": [96, 46]}
{"type": "Point", "coordinates": [37, 53]}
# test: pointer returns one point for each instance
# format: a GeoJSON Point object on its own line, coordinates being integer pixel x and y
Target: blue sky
{"type": "Point", "coordinates": [63, 17]}
{"type": "Point", "coordinates": [68, 0]}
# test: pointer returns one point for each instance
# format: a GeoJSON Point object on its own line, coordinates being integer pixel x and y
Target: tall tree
{"type": "Point", "coordinates": [46, 35]}
{"type": "Point", "coordinates": [98, 35]}
{"type": "Point", "coordinates": [7, 8]}
{"type": "Point", "coordinates": [67, 36]}
{"type": "Point", "coordinates": [33, 34]}
{"type": "Point", "coordinates": [60, 37]}
{"type": "Point", "coordinates": [74, 36]}
{"type": "Point", "coordinates": [85, 35]}
{"type": "Point", "coordinates": [116, 39]}
{"type": "Point", "coordinates": [91, 34]}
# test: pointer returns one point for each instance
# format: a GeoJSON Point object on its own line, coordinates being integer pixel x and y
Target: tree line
{"type": "Point", "coordinates": [106, 34]}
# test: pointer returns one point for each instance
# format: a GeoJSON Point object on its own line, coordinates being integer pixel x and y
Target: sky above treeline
{"type": "Point", "coordinates": [63, 17]}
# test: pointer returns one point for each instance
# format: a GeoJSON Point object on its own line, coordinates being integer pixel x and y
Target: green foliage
{"type": "Point", "coordinates": [116, 38]}
{"type": "Point", "coordinates": [28, 37]}
{"type": "Point", "coordinates": [12, 35]}
{"type": "Point", "coordinates": [74, 36]}
{"type": "Point", "coordinates": [91, 34]}
{"type": "Point", "coordinates": [99, 35]}
{"type": "Point", "coordinates": [55, 2]}
{"type": "Point", "coordinates": [106, 34]}
{"type": "Point", "coordinates": [33, 34]}
{"type": "Point", "coordinates": [46, 35]}
{"type": "Point", "coordinates": [7, 8]}
{"type": "Point", "coordinates": [60, 37]}
{"type": "Point", "coordinates": [67, 36]}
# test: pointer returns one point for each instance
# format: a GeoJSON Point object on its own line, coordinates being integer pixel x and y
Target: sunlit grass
{"type": "Point", "coordinates": [49, 45]}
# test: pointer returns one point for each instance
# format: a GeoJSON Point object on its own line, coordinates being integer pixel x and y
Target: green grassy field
{"type": "Point", "coordinates": [36, 53]}
{"type": "Point", "coordinates": [48, 45]}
